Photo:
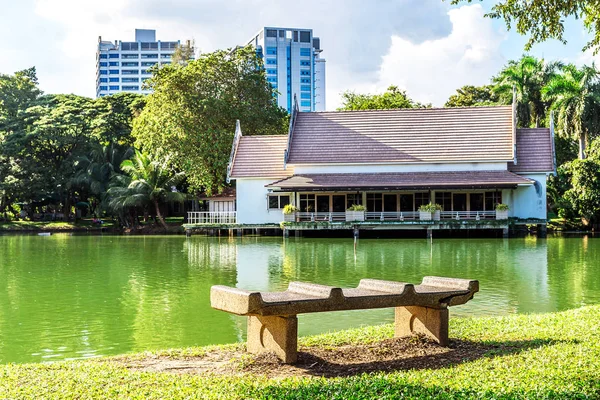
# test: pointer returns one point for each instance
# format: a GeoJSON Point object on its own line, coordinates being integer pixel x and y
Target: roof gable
{"type": "Point", "coordinates": [435, 135]}
{"type": "Point", "coordinates": [534, 151]}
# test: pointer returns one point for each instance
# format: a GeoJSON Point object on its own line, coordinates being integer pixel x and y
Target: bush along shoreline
{"type": "Point", "coordinates": [550, 356]}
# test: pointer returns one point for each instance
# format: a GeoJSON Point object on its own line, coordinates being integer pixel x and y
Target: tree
{"type": "Point", "coordinates": [584, 193]}
{"type": "Point", "coordinates": [544, 19]}
{"type": "Point", "coordinates": [146, 182]}
{"type": "Point", "coordinates": [469, 96]}
{"type": "Point", "coordinates": [575, 94]}
{"type": "Point", "coordinates": [184, 53]}
{"type": "Point", "coordinates": [527, 76]}
{"type": "Point", "coordinates": [191, 115]}
{"type": "Point", "coordinates": [114, 120]}
{"type": "Point", "coordinates": [393, 97]}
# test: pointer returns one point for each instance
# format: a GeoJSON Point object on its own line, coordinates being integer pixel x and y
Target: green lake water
{"type": "Point", "coordinates": [72, 297]}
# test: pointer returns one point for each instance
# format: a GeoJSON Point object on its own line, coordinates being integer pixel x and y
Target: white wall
{"type": "Point", "coordinates": [251, 199]}
{"type": "Point", "coordinates": [528, 201]}
{"type": "Point", "coordinates": [377, 168]}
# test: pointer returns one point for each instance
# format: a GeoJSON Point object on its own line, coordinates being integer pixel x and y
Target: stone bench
{"type": "Point", "coordinates": [273, 322]}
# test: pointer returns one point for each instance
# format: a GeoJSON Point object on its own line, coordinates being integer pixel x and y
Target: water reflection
{"type": "Point", "coordinates": [84, 296]}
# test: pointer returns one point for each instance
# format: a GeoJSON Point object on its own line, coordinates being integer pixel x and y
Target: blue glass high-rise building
{"type": "Point", "coordinates": [293, 66]}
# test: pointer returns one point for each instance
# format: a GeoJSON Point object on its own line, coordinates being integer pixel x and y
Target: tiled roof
{"type": "Point", "coordinates": [404, 180]}
{"type": "Point", "coordinates": [403, 136]}
{"type": "Point", "coordinates": [260, 156]}
{"type": "Point", "coordinates": [534, 151]}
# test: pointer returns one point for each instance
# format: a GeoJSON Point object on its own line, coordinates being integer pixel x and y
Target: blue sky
{"type": "Point", "coordinates": [427, 47]}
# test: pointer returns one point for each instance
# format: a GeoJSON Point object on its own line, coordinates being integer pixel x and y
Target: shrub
{"type": "Point", "coordinates": [357, 207]}
{"type": "Point", "coordinates": [430, 208]}
{"type": "Point", "coordinates": [502, 207]}
{"type": "Point", "coordinates": [289, 209]}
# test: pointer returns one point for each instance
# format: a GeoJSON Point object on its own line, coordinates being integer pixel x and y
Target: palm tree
{"type": "Point", "coordinates": [575, 94]}
{"type": "Point", "coordinates": [527, 76]}
{"type": "Point", "coordinates": [146, 182]}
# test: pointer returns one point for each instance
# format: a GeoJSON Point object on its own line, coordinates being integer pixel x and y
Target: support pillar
{"type": "Point", "coordinates": [239, 232]}
{"type": "Point", "coordinates": [286, 233]}
{"type": "Point", "coordinates": [505, 232]}
{"type": "Point", "coordinates": [542, 231]}
{"type": "Point", "coordinates": [431, 322]}
{"type": "Point", "coordinates": [188, 233]}
{"type": "Point", "coordinates": [356, 233]}
{"type": "Point", "coordinates": [276, 334]}
{"type": "Point", "coordinates": [297, 233]}
{"type": "Point", "coordinates": [230, 232]}
{"type": "Point", "coordinates": [429, 233]}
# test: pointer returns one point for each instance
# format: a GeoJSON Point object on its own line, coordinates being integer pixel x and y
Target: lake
{"type": "Point", "coordinates": [74, 297]}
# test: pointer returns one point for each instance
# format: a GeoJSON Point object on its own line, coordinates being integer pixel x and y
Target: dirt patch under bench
{"type": "Point", "coordinates": [388, 355]}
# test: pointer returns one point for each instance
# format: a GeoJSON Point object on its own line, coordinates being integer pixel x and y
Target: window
{"type": "Point", "coordinates": [272, 79]}
{"type": "Point", "coordinates": [129, 46]}
{"type": "Point", "coordinates": [271, 61]}
{"type": "Point", "coordinates": [130, 64]}
{"type": "Point", "coordinates": [103, 72]}
{"type": "Point", "coordinates": [149, 63]}
{"type": "Point", "coordinates": [166, 63]}
{"type": "Point", "coordinates": [114, 87]}
{"type": "Point", "coordinates": [295, 36]}
{"type": "Point", "coordinates": [272, 51]}
{"type": "Point", "coordinates": [150, 46]}
{"type": "Point", "coordinates": [104, 56]}
{"type": "Point", "coordinates": [353, 198]}
{"type": "Point", "coordinates": [113, 80]}
{"type": "Point", "coordinates": [420, 199]}
{"type": "Point", "coordinates": [305, 88]}
{"type": "Point", "coordinates": [113, 63]}
{"type": "Point", "coordinates": [149, 55]}
{"type": "Point", "coordinates": [130, 80]}
{"type": "Point", "coordinates": [113, 72]}
{"type": "Point", "coordinates": [168, 56]}
{"type": "Point", "coordinates": [103, 80]}
{"type": "Point", "coordinates": [305, 72]}
{"type": "Point", "coordinates": [113, 56]}
{"type": "Point", "coordinates": [271, 71]}
{"type": "Point", "coordinates": [146, 72]}
{"type": "Point", "coordinates": [168, 45]}
{"type": "Point", "coordinates": [305, 103]}
{"type": "Point", "coordinates": [305, 80]}
{"type": "Point", "coordinates": [375, 202]}
{"type": "Point", "coordinates": [103, 64]}
{"type": "Point", "coordinates": [305, 52]}
{"type": "Point", "coordinates": [278, 201]}
{"type": "Point", "coordinates": [444, 199]}
{"type": "Point", "coordinates": [491, 199]}
{"type": "Point", "coordinates": [271, 33]}
{"type": "Point", "coordinates": [129, 72]}
{"type": "Point", "coordinates": [130, 56]}
{"type": "Point", "coordinates": [305, 36]}
{"type": "Point", "coordinates": [305, 96]}
{"type": "Point", "coordinates": [131, 87]}
{"type": "Point", "coordinates": [307, 202]}
{"type": "Point", "coordinates": [305, 63]}
{"type": "Point", "coordinates": [103, 88]}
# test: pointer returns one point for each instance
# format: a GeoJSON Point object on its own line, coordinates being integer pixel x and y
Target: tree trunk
{"type": "Point", "coordinates": [582, 140]}
{"type": "Point", "coordinates": [159, 215]}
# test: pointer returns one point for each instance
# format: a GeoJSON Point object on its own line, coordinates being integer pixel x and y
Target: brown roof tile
{"type": "Point", "coordinates": [260, 156]}
{"type": "Point", "coordinates": [534, 151]}
{"type": "Point", "coordinates": [404, 180]}
{"type": "Point", "coordinates": [404, 136]}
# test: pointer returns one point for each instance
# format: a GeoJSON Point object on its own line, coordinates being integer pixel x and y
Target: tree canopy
{"type": "Point", "coordinates": [469, 96]}
{"type": "Point", "coordinates": [393, 97]}
{"type": "Point", "coordinates": [192, 113]}
{"type": "Point", "coordinates": [545, 19]}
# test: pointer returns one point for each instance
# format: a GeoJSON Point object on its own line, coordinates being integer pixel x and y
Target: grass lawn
{"type": "Point", "coordinates": [52, 225]}
{"type": "Point", "coordinates": [543, 356]}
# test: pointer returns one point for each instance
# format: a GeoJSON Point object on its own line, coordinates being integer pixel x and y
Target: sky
{"type": "Point", "coordinates": [426, 47]}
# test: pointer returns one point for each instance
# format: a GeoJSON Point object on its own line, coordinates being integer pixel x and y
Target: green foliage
{"type": "Point", "coordinates": [542, 19]}
{"type": "Point", "coordinates": [536, 356]}
{"type": "Point", "coordinates": [289, 209]}
{"type": "Point", "coordinates": [393, 97]}
{"type": "Point", "coordinates": [192, 113]}
{"type": "Point", "coordinates": [430, 207]}
{"type": "Point", "coordinates": [469, 96]}
{"type": "Point", "coordinates": [583, 194]}
{"type": "Point", "coordinates": [184, 53]}
{"type": "Point", "coordinates": [357, 207]}
{"type": "Point", "coordinates": [502, 207]}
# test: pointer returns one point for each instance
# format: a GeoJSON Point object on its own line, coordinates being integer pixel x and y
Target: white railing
{"type": "Point", "coordinates": [391, 215]}
{"type": "Point", "coordinates": [321, 216]}
{"type": "Point", "coordinates": [460, 215]}
{"type": "Point", "coordinates": [217, 217]}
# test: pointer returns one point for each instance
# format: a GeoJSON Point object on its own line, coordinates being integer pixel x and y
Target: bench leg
{"type": "Point", "coordinates": [431, 322]}
{"type": "Point", "coordinates": [277, 334]}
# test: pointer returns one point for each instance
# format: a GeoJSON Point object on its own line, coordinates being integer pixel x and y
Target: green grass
{"type": "Point", "coordinates": [557, 356]}
{"type": "Point", "coordinates": [52, 225]}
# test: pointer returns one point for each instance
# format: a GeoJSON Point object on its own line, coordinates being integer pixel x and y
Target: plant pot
{"type": "Point", "coordinates": [425, 215]}
{"type": "Point", "coordinates": [501, 214]}
{"type": "Point", "coordinates": [437, 215]}
{"type": "Point", "coordinates": [289, 217]}
{"type": "Point", "coordinates": [355, 216]}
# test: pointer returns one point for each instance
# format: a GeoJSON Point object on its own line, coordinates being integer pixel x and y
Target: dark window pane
{"type": "Point", "coordinates": [273, 202]}
{"type": "Point", "coordinates": [284, 201]}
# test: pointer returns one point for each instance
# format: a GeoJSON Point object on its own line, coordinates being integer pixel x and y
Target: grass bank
{"type": "Point", "coordinates": [53, 226]}
{"type": "Point", "coordinates": [541, 356]}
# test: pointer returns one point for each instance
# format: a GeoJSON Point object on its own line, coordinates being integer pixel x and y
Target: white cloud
{"type": "Point", "coordinates": [432, 70]}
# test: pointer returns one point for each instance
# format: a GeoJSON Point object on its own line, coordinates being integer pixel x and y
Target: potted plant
{"type": "Point", "coordinates": [502, 211]}
{"type": "Point", "coordinates": [289, 213]}
{"type": "Point", "coordinates": [426, 211]}
{"type": "Point", "coordinates": [356, 212]}
{"type": "Point", "coordinates": [437, 213]}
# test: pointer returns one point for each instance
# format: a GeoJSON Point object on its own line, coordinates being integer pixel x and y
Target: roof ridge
{"type": "Point", "coordinates": [408, 109]}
